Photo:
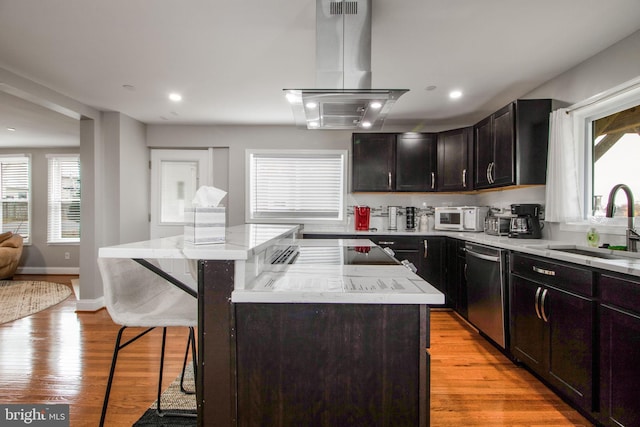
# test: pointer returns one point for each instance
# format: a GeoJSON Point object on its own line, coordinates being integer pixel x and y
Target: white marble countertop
{"type": "Point", "coordinates": [347, 284]}
{"type": "Point", "coordinates": [295, 283]}
{"type": "Point", "coordinates": [322, 275]}
{"type": "Point", "coordinates": [240, 243]}
{"type": "Point", "coordinates": [625, 262]}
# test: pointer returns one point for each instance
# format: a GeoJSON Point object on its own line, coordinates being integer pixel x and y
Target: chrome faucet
{"type": "Point", "coordinates": [632, 236]}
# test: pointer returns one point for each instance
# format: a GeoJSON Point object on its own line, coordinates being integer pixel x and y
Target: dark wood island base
{"type": "Point", "coordinates": [332, 365]}
{"type": "Point", "coordinates": [308, 364]}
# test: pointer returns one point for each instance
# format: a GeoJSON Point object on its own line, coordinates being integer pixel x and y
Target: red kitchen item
{"type": "Point", "coordinates": [362, 215]}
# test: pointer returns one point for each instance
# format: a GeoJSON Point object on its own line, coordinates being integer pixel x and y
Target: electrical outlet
{"type": "Point", "coordinates": [67, 255]}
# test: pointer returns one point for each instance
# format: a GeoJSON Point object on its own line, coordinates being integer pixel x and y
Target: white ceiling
{"type": "Point", "coordinates": [231, 59]}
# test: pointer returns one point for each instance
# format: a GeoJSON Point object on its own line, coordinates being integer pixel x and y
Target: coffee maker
{"type": "Point", "coordinates": [525, 222]}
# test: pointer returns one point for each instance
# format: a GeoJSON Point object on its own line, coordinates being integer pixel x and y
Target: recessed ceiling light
{"type": "Point", "coordinates": [366, 125]}
{"type": "Point", "coordinates": [11, 129]}
{"type": "Point", "coordinates": [375, 105]}
{"type": "Point", "coordinates": [175, 97]}
{"type": "Point", "coordinates": [314, 124]}
{"type": "Point", "coordinates": [455, 94]}
{"type": "Point", "coordinates": [311, 104]}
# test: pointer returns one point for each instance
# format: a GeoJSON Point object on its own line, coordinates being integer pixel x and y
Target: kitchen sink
{"type": "Point", "coordinates": [593, 252]}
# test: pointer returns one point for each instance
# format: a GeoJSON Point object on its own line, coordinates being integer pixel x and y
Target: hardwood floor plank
{"type": "Point", "coordinates": [474, 384]}
{"type": "Point", "coordinates": [60, 356]}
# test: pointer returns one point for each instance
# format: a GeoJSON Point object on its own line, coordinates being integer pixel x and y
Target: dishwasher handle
{"type": "Point", "coordinates": [483, 256]}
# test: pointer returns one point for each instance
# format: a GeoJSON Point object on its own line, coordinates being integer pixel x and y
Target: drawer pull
{"type": "Point", "coordinates": [384, 242]}
{"type": "Point", "coordinates": [543, 271]}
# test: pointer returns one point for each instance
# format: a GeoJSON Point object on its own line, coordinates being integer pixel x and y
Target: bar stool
{"type": "Point", "coordinates": [137, 297]}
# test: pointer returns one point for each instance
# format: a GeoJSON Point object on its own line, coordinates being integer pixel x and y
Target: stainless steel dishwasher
{"type": "Point", "coordinates": [486, 290]}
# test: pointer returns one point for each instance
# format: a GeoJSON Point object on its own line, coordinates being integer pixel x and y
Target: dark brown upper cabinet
{"type": "Point", "coordinates": [394, 162]}
{"type": "Point", "coordinates": [454, 160]}
{"type": "Point", "coordinates": [510, 146]}
{"type": "Point", "coordinates": [416, 162]}
{"type": "Point", "coordinates": [374, 162]}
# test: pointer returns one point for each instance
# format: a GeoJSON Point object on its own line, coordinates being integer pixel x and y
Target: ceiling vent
{"type": "Point", "coordinates": [343, 71]}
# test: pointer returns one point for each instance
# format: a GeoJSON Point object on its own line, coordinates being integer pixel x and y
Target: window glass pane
{"type": "Point", "coordinates": [616, 156]}
{"type": "Point", "coordinates": [177, 179]}
{"type": "Point", "coordinates": [64, 199]}
{"type": "Point", "coordinates": [296, 185]}
{"type": "Point", "coordinates": [15, 195]}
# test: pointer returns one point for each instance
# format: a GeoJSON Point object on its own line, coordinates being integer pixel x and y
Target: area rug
{"type": "Point", "coordinates": [174, 400]}
{"type": "Point", "coordinates": [23, 298]}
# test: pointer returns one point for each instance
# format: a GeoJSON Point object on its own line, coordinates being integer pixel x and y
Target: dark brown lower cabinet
{"type": "Point", "coordinates": [619, 351]}
{"type": "Point", "coordinates": [332, 365]}
{"type": "Point", "coordinates": [552, 329]}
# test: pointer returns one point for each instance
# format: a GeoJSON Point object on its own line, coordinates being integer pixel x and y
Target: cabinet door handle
{"type": "Point", "coordinates": [489, 173]}
{"type": "Point", "coordinates": [464, 178]}
{"type": "Point", "coordinates": [425, 247]}
{"type": "Point", "coordinates": [384, 242]}
{"type": "Point", "coordinates": [465, 271]}
{"type": "Point", "coordinates": [389, 180]}
{"type": "Point", "coordinates": [536, 303]}
{"type": "Point", "coordinates": [543, 271]}
{"type": "Point", "coordinates": [542, 301]}
{"type": "Point", "coordinates": [433, 180]}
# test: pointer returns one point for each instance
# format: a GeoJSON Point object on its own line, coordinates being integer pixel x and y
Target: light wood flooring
{"type": "Point", "coordinates": [60, 356]}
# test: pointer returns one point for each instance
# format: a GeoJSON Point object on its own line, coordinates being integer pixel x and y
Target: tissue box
{"type": "Point", "coordinates": [204, 225]}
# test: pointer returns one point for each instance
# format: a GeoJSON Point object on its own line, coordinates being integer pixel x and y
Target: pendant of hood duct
{"type": "Point", "coordinates": [343, 60]}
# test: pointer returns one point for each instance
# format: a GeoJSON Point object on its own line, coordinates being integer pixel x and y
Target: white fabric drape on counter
{"type": "Point", "coordinates": [565, 187]}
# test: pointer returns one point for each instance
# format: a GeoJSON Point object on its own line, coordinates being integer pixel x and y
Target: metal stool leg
{"type": "Point", "coordinates": [159, 410]}
{"type": "Point", "coordinates": [191, 342]}
{"type": "Point", "coordinates": [114, 360]}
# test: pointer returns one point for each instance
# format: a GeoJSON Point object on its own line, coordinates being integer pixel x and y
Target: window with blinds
{"type": "Point", "coordinates": [63, 225]}
{"type": "Point", "coordinates": [15, 194]}
{"type": "Point", "coordinates": [296, 185]}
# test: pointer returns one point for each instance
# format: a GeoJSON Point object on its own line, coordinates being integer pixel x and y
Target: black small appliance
{"type": "Point", "coordinates": [525, 222]}
{"type": "Point", "coordinates": [410, 212]}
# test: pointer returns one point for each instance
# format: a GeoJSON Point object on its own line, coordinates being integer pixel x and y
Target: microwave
{"type": "Point", "coordinates": [462, 218]}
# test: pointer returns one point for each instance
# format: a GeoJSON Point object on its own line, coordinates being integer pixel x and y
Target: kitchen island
{"type": "Point", "coordinates": [338, 337]}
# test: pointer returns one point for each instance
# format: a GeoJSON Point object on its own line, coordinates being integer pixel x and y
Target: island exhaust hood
{"type": "Point", "coordinates": [343, 69]}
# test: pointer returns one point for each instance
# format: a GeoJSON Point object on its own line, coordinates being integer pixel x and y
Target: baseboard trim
{"type": "Point", "coordinates": [48, 270]}
{"type": "Point", "coordinates": [90, 304]}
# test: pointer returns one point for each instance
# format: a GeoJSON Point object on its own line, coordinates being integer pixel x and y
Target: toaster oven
{"type": "Point", "coordinates": [497, 225]}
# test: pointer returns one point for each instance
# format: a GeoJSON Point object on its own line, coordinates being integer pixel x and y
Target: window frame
{"type": "Point", "coordinates": [343, 155]}
{"type": "Point", "coordinates": [616, 99]}
{"type": "Point", "coordinates": [59, 239]}
{"type": "Point", "coordinates": [27, 240]}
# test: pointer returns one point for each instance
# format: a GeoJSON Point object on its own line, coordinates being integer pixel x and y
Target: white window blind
{"type": "Point", "coordinates": [296, 185]}
{"type": "Point", "coordinates": [15, 194]}
{"type": "Point", "coordinates": [64, 199]}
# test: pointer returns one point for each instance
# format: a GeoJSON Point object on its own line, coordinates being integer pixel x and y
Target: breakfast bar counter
{"type": "Point", "coordinates": [337, 335]}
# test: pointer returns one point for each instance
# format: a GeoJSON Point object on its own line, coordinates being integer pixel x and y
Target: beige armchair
{"type": "Point", "coordinates": [10, 253]}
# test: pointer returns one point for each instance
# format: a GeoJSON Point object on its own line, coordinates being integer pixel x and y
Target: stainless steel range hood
{"type": "Point", "coordinates": [343, 71]}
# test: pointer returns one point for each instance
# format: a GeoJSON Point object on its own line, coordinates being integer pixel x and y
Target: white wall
{"type": "Point", "coordinates": [611, 67]}
{"type": "Point", "coordinates": [237, 139]}
{"type": "Point", "coordinates": [126, 166]}
{"type": "Point", "coordinates": [134, 181]}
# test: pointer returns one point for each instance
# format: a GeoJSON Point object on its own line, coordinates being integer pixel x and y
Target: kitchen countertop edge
{"type": "Point", "coordinates": [537, 247]}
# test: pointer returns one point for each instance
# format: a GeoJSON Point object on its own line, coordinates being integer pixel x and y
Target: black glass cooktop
{"type": "Point", "coordinates": [331, 255]}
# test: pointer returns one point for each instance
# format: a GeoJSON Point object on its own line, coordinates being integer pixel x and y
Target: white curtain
{"type": "Point", "coordinates": [565, 187]}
